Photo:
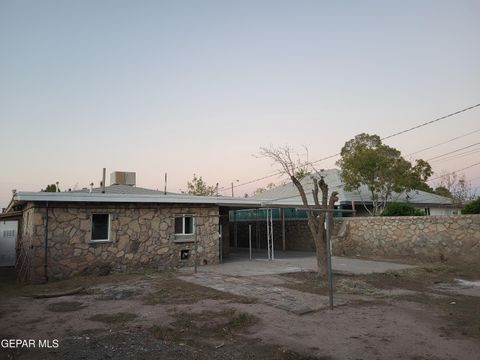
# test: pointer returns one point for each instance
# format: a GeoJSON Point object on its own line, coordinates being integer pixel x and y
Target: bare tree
{"type": "Point", "coordinates": [293, 166]}
{"type": "Point", "coordinates": [457, 187]}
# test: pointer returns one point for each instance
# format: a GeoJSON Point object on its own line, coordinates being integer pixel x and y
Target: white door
{"type": "Point", "coordinates": [8, 239]}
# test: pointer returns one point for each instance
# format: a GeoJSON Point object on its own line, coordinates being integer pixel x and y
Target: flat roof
{"type": "Point", "coordinates": [23, 197]}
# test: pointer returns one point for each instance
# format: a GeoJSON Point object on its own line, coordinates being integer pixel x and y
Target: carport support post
{"type": "Point", "coordinates": [250, 240]}
{"type": "Point", "coordinates": [284, 241]}
{"type": "Point", "coordinates": [268, 237]}
{"type": "Point", "coordinates": [196, 248]}
{"type": "Point", "coordinates": [220, 242]}
{"type": "Point", "coordinates": [329, 259]}
{"type": "Point", "coordinates": [235, 239]}
{"type": "Point", "coordinates": [271, 232]}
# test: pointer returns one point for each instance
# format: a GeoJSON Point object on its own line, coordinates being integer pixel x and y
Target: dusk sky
{"type": "Point", "coordinates": [188, 87]}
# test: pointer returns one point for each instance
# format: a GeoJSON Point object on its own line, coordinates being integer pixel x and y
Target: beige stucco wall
{"type": "Point", "coordinates": [453, 238]}
{"type": "Point", "coordinates": [140, 237]}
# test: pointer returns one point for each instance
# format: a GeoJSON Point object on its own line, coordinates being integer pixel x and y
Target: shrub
{"type": "Point", "coordinates": [472, 208]}
{"type": "Point", "coordinates": [401, 209]}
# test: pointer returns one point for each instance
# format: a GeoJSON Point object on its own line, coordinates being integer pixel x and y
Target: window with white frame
{"type": "Point", "coordinates": [184, 225]}
{"type": "Point", "coordinates": [100, 227]}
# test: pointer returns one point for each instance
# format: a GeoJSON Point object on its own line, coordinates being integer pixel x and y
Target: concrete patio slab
{"type": "Point", "coordinates": [256, 278]}
{"type": "Point", "coordinates": [239, 264]}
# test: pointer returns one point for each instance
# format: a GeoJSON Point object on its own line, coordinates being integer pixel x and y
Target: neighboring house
{"type": "Point", "coordinates": [432, 204]}
{"type": "Point", "coordinates": [66, 233]}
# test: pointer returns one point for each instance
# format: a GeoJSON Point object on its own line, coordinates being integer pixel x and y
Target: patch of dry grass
{"type": "Point", "coordinates": [205, 325]}
{"type": "Point", "coordinates": [170, 290]}
{"type": "Point", "coordinates": [420, 279]}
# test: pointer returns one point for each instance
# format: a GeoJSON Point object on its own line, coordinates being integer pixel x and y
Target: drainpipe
{"type": "Point", "coordinates": [103, 180]}
{"type": "Point", "coordinates": [46, 246]}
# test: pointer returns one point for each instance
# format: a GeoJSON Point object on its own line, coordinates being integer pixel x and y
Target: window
{"type": "Point", "coordinates": [8, 233]}
{"type": "Point", "coordinates": [100, 227]}
{"type": "Point", "coordinates": [184, 225]}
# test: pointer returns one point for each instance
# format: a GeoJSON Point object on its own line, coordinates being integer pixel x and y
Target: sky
{"type": "Point", "coordinates": [184, 87]}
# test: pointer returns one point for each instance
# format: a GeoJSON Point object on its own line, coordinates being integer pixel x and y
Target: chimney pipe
{"type": "Point", "coordinates": [165, 191]}
{"type": "Point", "coordinates": [103, 180]}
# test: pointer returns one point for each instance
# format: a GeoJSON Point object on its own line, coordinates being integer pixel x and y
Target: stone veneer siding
{"type": "Point", "coordinates": [424, 238]}
{"type": "Point", "coordinates": [141, 236]}
{"type": "Point", "coordinates": [453, 238]}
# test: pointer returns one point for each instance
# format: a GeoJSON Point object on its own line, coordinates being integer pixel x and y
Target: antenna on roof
{"type": "Point", "coordinates": [165, 191]}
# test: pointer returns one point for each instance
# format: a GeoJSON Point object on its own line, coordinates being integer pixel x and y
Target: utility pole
{"type": "Point", "coordinates": [232, 187]}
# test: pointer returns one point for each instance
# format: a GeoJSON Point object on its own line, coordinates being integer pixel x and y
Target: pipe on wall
{"type": "Point", "coordinates": [45, 265]}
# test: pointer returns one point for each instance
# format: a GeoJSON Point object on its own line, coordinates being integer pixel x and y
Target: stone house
{"type": "Point", "coordinates": [67, 233]}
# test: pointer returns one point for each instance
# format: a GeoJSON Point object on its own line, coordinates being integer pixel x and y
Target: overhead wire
{"type": "Point", "coordinates": [226, 188]}
{"type": "Point", "coordinates": [442, 143]}
{"type": "Point", "coordinates": [457, 156]}
{"type": "Point", "coordinates": [453, 172]}
{"type": "Point", "coordinates": [454, 151]}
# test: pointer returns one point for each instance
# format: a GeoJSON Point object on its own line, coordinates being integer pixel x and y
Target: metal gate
{"type": "Point", "coordinates": [8, 241]}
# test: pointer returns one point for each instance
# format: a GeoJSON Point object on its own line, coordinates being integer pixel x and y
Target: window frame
{"type": "Point", "coordinates": [183, 216]}
{"type": "Point", "coordinates": [109, 232]}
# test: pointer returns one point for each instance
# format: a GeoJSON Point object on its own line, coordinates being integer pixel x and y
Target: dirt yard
{"type": "Point", "coordinates": [421, 313]}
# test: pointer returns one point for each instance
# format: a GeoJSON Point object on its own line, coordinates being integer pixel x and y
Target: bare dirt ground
{"type": "Point", "coordinates": [422, 313]}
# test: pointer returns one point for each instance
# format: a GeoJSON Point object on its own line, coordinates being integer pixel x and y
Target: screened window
{"type": "Point", "coordinates": [100, 227]}
{"type": "Point", "coordinates": [184, 225]}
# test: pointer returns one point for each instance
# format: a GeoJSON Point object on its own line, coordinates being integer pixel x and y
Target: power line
{"type": "Point", "coordinates": [453, 172]}
{"type": "Point", "coordinates": [457, 156]}
{"type": "Point", "coordinates": [432, 121]}
{"type": "Point", "coordinates": [225, 188]}
{"type": "Point", "coordinates": [454, 151]}
{"type": "Point", "coordinates": [443, 143]}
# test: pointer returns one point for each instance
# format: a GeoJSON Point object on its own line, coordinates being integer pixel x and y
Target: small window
{"type": "Point", "coordinates": [100, 227]}
{"type": "Point", "coordinates": [184, 225]}
{"type": "Point", "coordinates": [8, 233]}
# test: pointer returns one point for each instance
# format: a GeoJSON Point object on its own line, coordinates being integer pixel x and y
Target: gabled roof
{"type": "Point", "coordinates": [289, 193]}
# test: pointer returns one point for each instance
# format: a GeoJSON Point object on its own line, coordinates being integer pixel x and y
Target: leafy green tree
{"type": "Point", "coordinates": [301, 173]}
{"type": "Point", "coordinates": [472, 208]}
{"type": "Point", "coordinates": [443, 191]}
{"type": "Point", "coordinates": [51, 188]}
{"type": "Point", "coordinates": [263, 189]}
{"type": "Point", "coordinates": [365, 160]}
{"type": "Point", "coordinates": [199, 187]}
{"type": "Point", "coordinates": [401, 209]}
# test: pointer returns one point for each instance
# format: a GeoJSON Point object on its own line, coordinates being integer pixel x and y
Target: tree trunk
{"type": "Point", "coordinates": [321, 256]}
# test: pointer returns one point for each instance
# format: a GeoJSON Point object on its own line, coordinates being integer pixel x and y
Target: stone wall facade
{"type": "Point", "coordinates": [454, 238]}
{"type": "Point", "coordinates": [141, 236]}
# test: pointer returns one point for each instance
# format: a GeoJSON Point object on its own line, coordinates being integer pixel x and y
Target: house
{"type": "Point", "coordinates": [358, 200]}
{"type": "Point", "coordinates": [116, 228]}
{"type": "Point", "coordinates": [289, 219]}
